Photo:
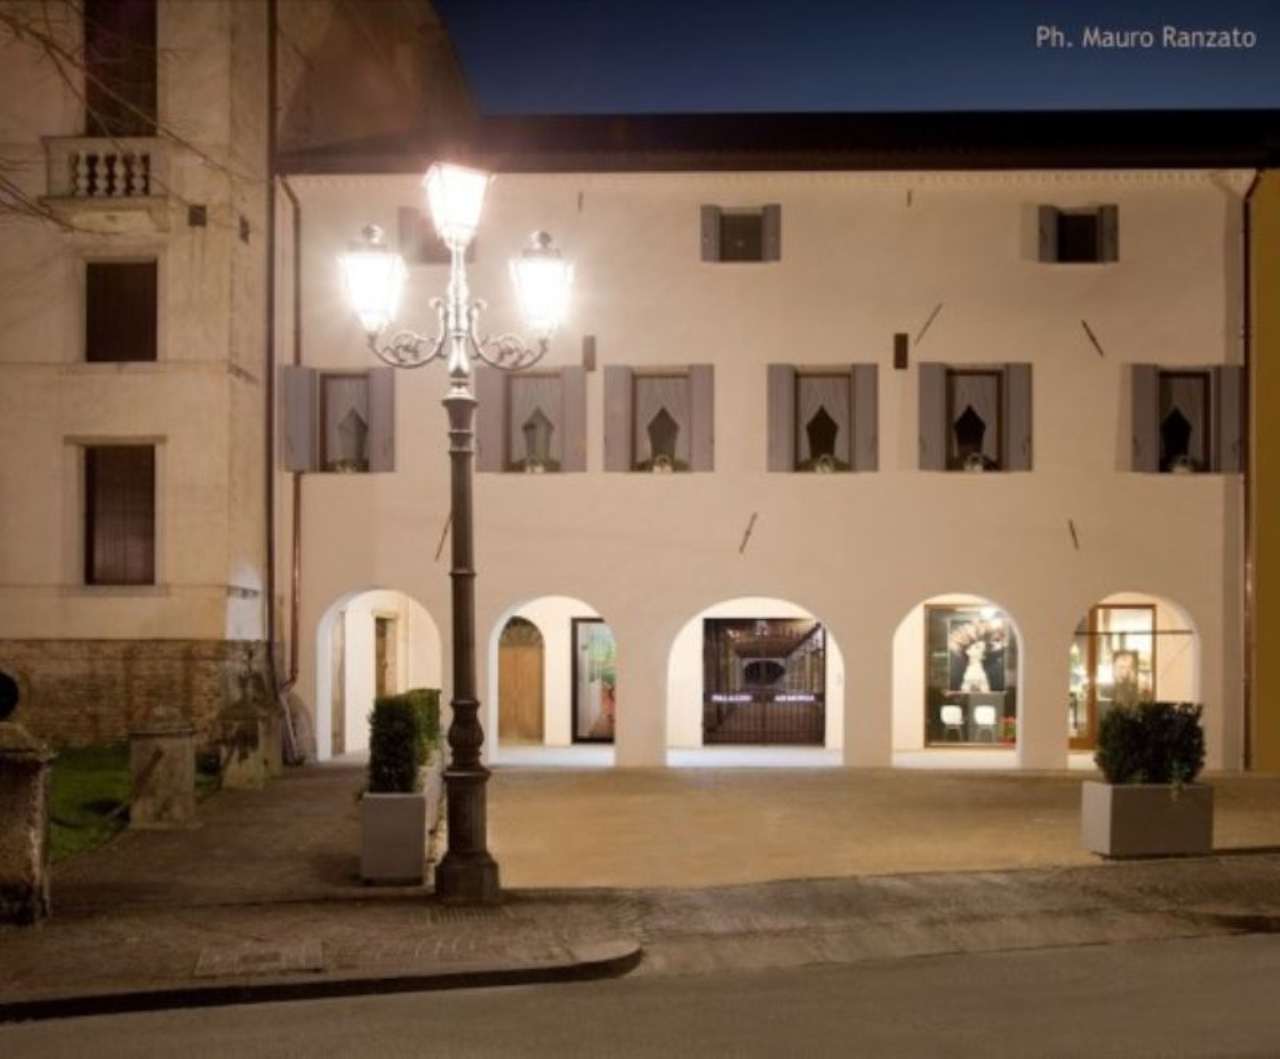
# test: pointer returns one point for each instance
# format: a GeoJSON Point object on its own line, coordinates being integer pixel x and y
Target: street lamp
{"type": "Point", "coordinates": [375, 278]}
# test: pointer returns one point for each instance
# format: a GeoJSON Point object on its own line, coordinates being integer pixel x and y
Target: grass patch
{"type": "Point", "coordinates": [89, 793]}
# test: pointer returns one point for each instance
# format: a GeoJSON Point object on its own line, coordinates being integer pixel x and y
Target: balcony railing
{"type": "Point", "coordinates": [90, 174]}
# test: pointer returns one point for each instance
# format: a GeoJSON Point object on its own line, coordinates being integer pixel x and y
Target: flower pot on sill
{"type": "Point", "coordinates": [393, 838]}
{"type": "Point", "coordinates": [1146, 819]}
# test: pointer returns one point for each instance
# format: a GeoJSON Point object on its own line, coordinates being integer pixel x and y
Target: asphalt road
{"type": "Point", "coordinates": [1210, 997]}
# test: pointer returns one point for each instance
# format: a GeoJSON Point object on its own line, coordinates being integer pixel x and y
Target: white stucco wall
{"type": "Point", "coordinates": [861, 260]}
{"type": "Point", "coordinates": [685, 678]}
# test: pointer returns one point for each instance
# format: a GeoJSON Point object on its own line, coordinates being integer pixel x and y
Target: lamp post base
{"type": "Point", "coordinates": [468, 880]}
{"type": "Point", "coordinates": [467, 874]}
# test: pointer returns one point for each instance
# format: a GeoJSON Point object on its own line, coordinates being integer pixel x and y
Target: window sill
{"type": "Point", "coordinates": [138, 591]}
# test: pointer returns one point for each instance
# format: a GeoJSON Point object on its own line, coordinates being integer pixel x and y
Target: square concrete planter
{"type": "Point", "coordinates": [393, 838]}
{"type": "Point", "coordinates": [1146, 819]}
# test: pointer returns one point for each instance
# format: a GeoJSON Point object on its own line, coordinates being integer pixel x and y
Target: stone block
{"type": "Point", "coordinates": [1146, 819]}
{"type": "Point", "coordinates": [24, 825]}
{"type": "Point", "coordinates": [162, 762]}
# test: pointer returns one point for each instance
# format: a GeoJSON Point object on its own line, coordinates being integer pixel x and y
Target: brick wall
{"type": "Point", "coordinates": [78, 692]}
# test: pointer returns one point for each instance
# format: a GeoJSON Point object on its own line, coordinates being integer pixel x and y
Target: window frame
{"type": "Point", "coordinates": [90, 515]}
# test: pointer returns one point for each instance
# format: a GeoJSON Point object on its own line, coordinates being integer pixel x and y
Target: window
{"type": "Point", "coordinates": [975, 418]}
{"type": "Point", "coordinates": [120, 503]}
{"type": "Point", "coordinates": [120, 67]}
{"type": "Point", "coordinates": [337, 421]}
{"type": "Point", "coordinates": [742, 234]}
{"type": "Point", "coordinates": [1187, 420]}
{"type": "Point", "coordinates": [971, 676]}
{"type": "Point", "coordinates": [533, 422]}
{"type": "Point", "coordinates": [659, 419]}
{"type": "Point", "coordinates": [1079, 236]}
{"type": "Point", "coordinates": [823, 419]}
{"type": "Point", "coordinates": [344, 416]}
{"type": "Point", "coordinates": [120, 311]}
{"type": "Point", "coordinates": [419, 243]}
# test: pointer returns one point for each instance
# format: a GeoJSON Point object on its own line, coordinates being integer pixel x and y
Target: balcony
{"type": "Point", "coordinates": [109, 184]}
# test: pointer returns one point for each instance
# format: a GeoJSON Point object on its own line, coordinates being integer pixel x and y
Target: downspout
{"type": "Point", "coordinates": [1250, 645]}
{"type": "Point", "coordinates": [295, 563]}
{"type": "Point", "coordinates": [293, 753]}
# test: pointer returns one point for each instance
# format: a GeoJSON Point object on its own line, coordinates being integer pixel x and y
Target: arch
{"type": "Point", "coordinates": [348, 654]}
{"type": "Point", "coordinates": [578, 682]}
{"type": "Point", "coordinates": [958, 680]}
{"type": "Point", "coordinates": [771, 712]}
{"type": "Point", "coordinates": [1128, 647]}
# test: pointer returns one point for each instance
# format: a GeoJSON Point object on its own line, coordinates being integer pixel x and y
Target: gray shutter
{"type": "Point", "coordinates": [1108, 233]}
{"type": "Point", "coordinates": [573, 419]}
{"type": "Point", "coordinates": [491, 414]}
{"type": "Point", "coordinates": [771, 229]}
{"type": "Point", "coordinates": [865, 451]}
{"type": "Point", "coordinates": [710, 233]}
{"type": "Point", "coordinates": [618, 396]}
{"type": "Point", "coordinates": [300, 393]}
{"type": "Point", "coordinates": [1146, 412]}
{"type": "Point", "coordinates": [702, 402]}
{"type": "Point", "coordinates": [933, 417]}
{"type": "Point", "coordinates": [1048, 218]}
{"type": "Point", "coordinates": [1017, 417]}
{"type": "Point", "coordinates": [382, 419]}
{"type": "Point", "coordinates": [1228, 388]}
{"type": "Point", "coordinates": [782, 417]}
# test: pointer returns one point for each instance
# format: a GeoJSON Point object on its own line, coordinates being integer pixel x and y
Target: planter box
{"type": "Point", "coordinates": [393, 838]}
{"type": "Point", "coordinates": [1146, 819]}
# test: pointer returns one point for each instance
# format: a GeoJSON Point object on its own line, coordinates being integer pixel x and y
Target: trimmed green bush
{"type": "Point", "coordinates": [404, 729]}
{"type": "Point", "coordinates": [1152, 742]}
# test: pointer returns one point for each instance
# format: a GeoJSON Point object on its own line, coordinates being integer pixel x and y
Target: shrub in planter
{"type": "Point", "coordinates": [397, 748]}
{"type": "Point", "coordinates": [427, 703]}
{"type": "Point", "coordinates": [1152, 742]}
{"type": "Point", "coordinates": [1150, 755]}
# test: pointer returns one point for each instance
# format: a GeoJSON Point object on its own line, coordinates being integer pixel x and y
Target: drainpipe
{"type": "Point", "coordinates": [1250, 645]}
{"type": "Point", "coordinates": [295, 563]}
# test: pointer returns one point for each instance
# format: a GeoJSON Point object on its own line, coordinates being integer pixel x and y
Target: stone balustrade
{"type": "Point", "coordinates": [107, 168]}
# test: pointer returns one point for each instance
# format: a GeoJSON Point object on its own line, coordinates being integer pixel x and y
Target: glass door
{"type": "Point", "coordinates": [1113, 663]}
{"type": "Point", "coordinates": [595, 681]}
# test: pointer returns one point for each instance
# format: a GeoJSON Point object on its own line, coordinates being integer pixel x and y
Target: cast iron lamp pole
{"type": "Point", "coordinates": [375, 277]}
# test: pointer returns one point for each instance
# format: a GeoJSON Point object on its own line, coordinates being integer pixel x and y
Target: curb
{"type": "Point", "coordinates": [586, 963]}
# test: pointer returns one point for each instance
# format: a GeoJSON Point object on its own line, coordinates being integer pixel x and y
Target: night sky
{"type": "Point", "coordinates": [598, 56]}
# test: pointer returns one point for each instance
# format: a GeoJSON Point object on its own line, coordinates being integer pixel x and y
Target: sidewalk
{"type": "Point", "coordinates": [261, 902]}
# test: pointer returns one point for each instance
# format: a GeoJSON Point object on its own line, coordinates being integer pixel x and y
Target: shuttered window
{"type": "Point", "coordinates": [120, 507]}
{"type": "Point", "coordinates": [531, 421]}
{"type": "Point", "coordinates": [975, 418]}
{"type": "Point", "coordinates": [659, 419]}
{"type": "Point", "coordinates": [333, 421]}
{"type": "Point", "coordinates": [822, 420]}
{"type": "Point", "coordinates": [742, 234]}
{"type": "Point", "coordinates": [1079, 236]}
{"type": "Point", "coordinates": [1187, 419]}
{"type": "Point", "coordinates": [120, 67]}
{"type": "Point", "coordinates": [120, 311]}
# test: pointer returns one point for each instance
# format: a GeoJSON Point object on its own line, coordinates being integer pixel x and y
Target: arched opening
{"type": "Point", "coordinates": [956, 683]}
{"type": "Point", "coordinates": [370, 643]}
{"type": "Point", "coordinates": [758, 673]}
{"type": "Point", "coordinates": [1129, 647]}
{"type": "Point", "coordinates": [553, 668]}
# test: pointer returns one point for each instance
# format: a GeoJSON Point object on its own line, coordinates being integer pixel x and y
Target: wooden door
{"type": "Point", "coordinates": [520, 666]}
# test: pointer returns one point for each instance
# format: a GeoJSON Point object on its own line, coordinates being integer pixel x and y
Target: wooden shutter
{"type": "Point", "coordinates": [1017, 417]}
{"type": "Point", "coordinates": [120, 311]}
{"type": "Point", "coordinates": [1048, 223]}
{"type": "Point", "coordinates": [120, 504]}
{"type": "Point", "coordinates": [300, 394]}
{"type": "Point", "coordinates": [710, 233]}
{"type": "Point", "coordinates": [1228, 417]}
{"type": "Point", "coordinates": [702, 401]}
{"type": "Point", "coordinates": [865, 451]}
{"type": "Point", "coordinates": [933, 424]}
{"type": "Point", "coordinates": [491, 416]}
{"type": "Point", "coordinates": [1146, 414]}
{"type": "Point", "coordinates": [771, 229]}
{"type": "Point", "coordinates": [618, 397]}
{"type": "Point", "coordinates": [573, 419]}
{"type": "Point", "coordinates": [781, 418]}
{"type": "Point", "coordinates": [382, 419]}
{"type": "Point", "coordinates": [1108, 233]}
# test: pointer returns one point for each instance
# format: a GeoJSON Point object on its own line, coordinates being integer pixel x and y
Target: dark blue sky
{"type": "Point", "coordinates": [614, 56]}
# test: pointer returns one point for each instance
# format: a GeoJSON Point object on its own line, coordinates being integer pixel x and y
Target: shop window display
{"type": "Point", "coordinates": [1113, 663]}
{"type": "Point", "coordinates": [971, 676]}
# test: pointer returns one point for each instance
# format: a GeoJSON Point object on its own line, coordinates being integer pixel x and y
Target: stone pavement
{"type": "Point", "coordinates": [264, 892]}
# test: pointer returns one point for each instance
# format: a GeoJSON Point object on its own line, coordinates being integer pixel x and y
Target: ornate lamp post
{"type": "Point", "coordinates": [375, 278]}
